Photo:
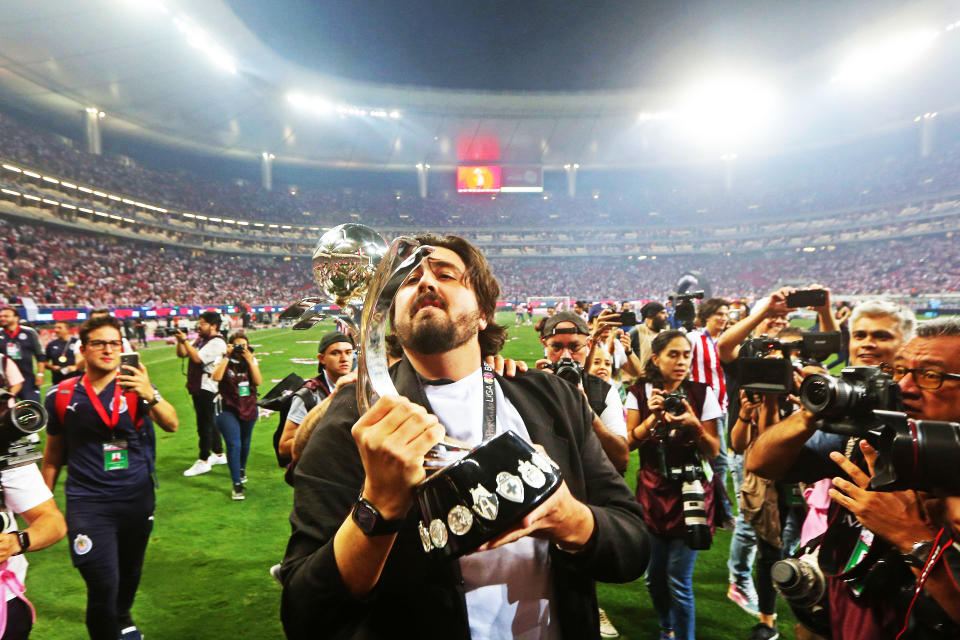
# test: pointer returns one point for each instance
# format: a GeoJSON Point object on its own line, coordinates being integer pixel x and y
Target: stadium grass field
{"type": "Point", "coordinates": [205, 574]}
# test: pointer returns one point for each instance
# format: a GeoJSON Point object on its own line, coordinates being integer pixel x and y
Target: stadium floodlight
{"type": "Point", "coordinates": [884, 58]}
{"type": "Point", "coordinates": [198, 38]}
{"type": "Point", "coordinates": [314, 104]}
{"type": "Point", "coordinates": [725, 110]}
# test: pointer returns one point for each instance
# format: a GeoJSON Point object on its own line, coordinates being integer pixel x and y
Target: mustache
{"type": "Point", "coordinates": [427, 296]}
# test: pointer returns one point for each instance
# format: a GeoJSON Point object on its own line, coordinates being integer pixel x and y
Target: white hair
{"type": "Point", "coordinates": [948, 326]}
{"type": "Point", "coordinates": [875, 307]}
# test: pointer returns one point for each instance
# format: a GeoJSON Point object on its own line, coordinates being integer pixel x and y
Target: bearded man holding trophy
{"type": "Point", "coordinates": [441, 500]}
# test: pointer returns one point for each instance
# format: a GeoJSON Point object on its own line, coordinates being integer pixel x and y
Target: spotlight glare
{"type": "Point", "coordinates": [884, 58]}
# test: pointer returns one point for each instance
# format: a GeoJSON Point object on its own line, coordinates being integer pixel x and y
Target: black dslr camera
{"type": "Point", "coordinates": [16, 422]}
{"type": "Point", "coordinates": [760, 374]}
{"type": "Point", "coordinates": [568, 369]}
{"type": "Point", "coordinates": [923, 455]}
{"type": "Point", "coordinates": [684, 309]}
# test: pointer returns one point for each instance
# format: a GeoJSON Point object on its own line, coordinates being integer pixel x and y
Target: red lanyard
{"type": "Point", "coordinates": [98, 406]}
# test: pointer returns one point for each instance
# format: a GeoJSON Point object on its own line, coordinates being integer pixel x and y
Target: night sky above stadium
{"type": "Point", "coordinates": [541, 45]}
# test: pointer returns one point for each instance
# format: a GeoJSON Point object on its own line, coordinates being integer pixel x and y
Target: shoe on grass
{"type": "Point", "coordinates": [238, 492]}
{"type": "Point", "coordinates": [275, 573]}
{"type": "Point", "coordinates": [607, 630]}
{"type": "Point", "coordinates": [744, 600]}
{"type": "Point", "coordinates": [217, 458]}
{"type": "Point", "coordinates": [200, 466]}
{"type": "Point", "coordinates": [131, 633]}
{"type": "Point", "coordinates": [761, 631]}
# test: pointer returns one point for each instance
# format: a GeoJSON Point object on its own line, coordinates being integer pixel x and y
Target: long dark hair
{"type": "Point", "coordinates": [651, 372]}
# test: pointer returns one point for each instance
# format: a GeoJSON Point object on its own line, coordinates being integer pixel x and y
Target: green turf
{"type": "Point", "coordinates": [205, 574]}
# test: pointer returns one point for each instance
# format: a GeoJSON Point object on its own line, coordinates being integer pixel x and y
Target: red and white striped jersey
{"type": "Point", "coordinates": [705, 364]}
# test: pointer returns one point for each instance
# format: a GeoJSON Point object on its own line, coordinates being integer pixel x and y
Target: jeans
{"type": "Point", "coordinates": [207, 432]}
{"type": "Point", "coordinates": [743, 544]}
{"type": "Point", "coordinates": [236, 435]}
{"type": "Point", "coordinates": [670, 583]}
{"type": "Point", "coordinates": [790, 532]}
{"type": "Point", "coordinates": [720, 466]}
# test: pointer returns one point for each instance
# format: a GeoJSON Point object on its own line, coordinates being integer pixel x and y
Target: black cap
{"type": "Point", "coordinates": [333, 338]}
{"type": "Point", "coordinates": [550, 325]}
{"type": "Point", "coordinates": [651, 309]}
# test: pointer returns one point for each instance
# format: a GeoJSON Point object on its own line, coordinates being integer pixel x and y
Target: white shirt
{"type": "Point", "coordinates": [23, 489]}
{"type": "Point", "coordinates": [509, 590]}
{"type": "Point", "coordinates": [612, 416]}
{"type": "Point", "coordinates": [211, 354]}
{"type": "Point", "coordinates": [711, 408]}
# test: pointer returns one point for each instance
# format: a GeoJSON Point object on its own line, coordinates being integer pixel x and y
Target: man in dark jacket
{"type": "Point", "coordinates": [355, 567]}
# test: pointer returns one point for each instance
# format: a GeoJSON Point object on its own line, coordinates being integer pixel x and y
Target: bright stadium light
{"type": "Point", "coordinates": [884, 58]}
{"type": "Point", "coordinates": [199, 39]}
{"type": "Point", "coordinates": [725, 110]}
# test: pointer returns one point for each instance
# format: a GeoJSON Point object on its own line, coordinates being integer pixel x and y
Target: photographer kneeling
{"type": "Point", "coordinates": [873, 596]}
{"type": "Point", "coordinates": [239, 376]}
{"type": "Point", "coordinates": [672, 421]}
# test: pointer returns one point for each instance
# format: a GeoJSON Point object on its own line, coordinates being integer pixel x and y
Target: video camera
{"type": "Point", "coordinates": [912, 454]}
{"type": "Point", "coordinates": [759, 373]}
{"type": "Point", "coordinates": [19, 419]}
{"type": "Point", "coordinates": [684, 309]}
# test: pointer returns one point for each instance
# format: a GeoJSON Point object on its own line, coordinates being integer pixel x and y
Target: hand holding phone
{"type": "Point", "coordinates": [807, 298]}
{"type": "Point", "coordinates": [129, 360]}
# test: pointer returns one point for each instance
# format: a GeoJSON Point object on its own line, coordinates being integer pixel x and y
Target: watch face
{"type": "Point", "coordinates": [366, 519]}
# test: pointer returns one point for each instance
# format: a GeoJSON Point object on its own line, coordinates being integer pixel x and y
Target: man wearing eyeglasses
{"type": "Point", "coordinates": [566, 335]}
{"type": "Point", "coordinates": [927, 370]}
{"type": "Point", "coordinates": [101, 426]}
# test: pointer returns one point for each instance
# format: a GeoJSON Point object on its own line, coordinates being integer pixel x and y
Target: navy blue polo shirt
{"type": "Point", "coordinates": [57, 349]}
{"type": "Point", "coordinates": [23, 347]}
{"type": "Point", "coordinates": [85, 434]}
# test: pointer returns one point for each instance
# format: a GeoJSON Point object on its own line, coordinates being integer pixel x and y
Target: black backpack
{"type": "Point", "coordinates": [279, 399]}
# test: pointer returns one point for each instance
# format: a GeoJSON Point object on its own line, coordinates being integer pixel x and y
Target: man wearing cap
{"type": "Point", "coordinates": [566, 335]}
{"type": "Point", "coordinates": [335, 354]}
{"type": "Point", "coordinates": [204, 354]}
{"type": "Point", "coordinates": [654, 320]}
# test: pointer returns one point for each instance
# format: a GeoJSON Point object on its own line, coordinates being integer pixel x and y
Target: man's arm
{"type": "Point", "coordinates": [40, 354]}
{"type": "Point", "coordinates": [827, 321]}
{"type": "Point", "coordinates": [728, 344]}
{"type": "Point", "coordinates": [776, 450]}
{"type": "Point", "coordinates": [187, 350]}
{"type": "Point", "coordinates": [613, 445]}
{"type": "Point", "coordinates": [302, 433]}
{"type": "Point", "coordinates": [54, 457]}
{"type": "Point", "coordinates": [45, 525]}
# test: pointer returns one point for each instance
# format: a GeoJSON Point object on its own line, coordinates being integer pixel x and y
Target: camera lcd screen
{"type": "Point", "coordinates": [765, 375]}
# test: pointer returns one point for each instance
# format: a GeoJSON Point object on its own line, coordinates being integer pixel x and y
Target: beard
{"type": "Point", "coordinates": [438, 334]}
{"type": "Point", "coordinates": [659, 324]}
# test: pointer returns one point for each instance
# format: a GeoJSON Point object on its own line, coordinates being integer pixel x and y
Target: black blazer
{"type": "Point", "coordinates": [424, 596]}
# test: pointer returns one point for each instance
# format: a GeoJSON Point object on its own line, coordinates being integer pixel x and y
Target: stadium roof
{"type": "Point", "coordinates": [194, 76]}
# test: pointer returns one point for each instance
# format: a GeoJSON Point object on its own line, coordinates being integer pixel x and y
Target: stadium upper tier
{"type": "Point", "coordinates": [829, 199]}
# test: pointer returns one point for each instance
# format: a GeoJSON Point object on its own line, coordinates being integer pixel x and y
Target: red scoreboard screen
{"type": "Point", "coordinates": [478, 179]}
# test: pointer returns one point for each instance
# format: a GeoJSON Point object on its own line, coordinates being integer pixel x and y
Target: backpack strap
{"type": "Point", "coordinates": [64, 394]}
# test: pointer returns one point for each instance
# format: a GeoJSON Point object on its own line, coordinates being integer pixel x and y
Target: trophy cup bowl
{"type": "Point", "coordinates": [472, 495]}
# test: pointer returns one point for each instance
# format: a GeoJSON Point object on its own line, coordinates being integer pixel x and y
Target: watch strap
{"type": "Point", "coordinates": [371, 521]}
{"type": "Point", "coordinates": [24, 538]}
{"type": "Point", "coordinates": [919, 554]}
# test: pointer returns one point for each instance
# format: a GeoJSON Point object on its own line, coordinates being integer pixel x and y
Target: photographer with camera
{"type": "Point", "coordinates": [672, 421]}
{"type": "Point", "coordinates": [101, 425]}
{"type": "Point", "coordinates": [874, 593]}
{"type": "Point", "coordinates": [202, 356]}
{"type": "Point", "coordinates": [238, 376]}
{"type": "Point", "coordinates": [767, 319]}
{"type": "Point", "coordinates": [566, 341]}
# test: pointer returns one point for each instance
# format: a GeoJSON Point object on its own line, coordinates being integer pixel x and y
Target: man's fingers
{"type": "Point", "coordinates": [842, 500]}
{"type": "Point", "coordinates": [856, 474]}
{"type": "Point", "coordinates": [870, 454]}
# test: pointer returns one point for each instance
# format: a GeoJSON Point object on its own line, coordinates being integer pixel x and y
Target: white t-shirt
{"type": "Point", "coordinates": [711, 407]}
{"type": "Point", "coordinates": [23, 489]}
{"type": "Point", "coordinates": [211, 354]}
{"type": "Point", "coordinates": [612, 416]}
{"type": "Point", "coordinates": [509, 591]}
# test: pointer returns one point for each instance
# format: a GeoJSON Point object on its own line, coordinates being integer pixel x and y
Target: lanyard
{"type": "Point", "coordinates": [98, 406]}
{"type": "Point", "coordinates": [489, 402]}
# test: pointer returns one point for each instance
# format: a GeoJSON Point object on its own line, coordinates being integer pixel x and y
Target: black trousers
{"type": "Point", "coordinates": [207, 431]}
{"type": "Point", "coordinates": [108, 541]}
{"type": "Point", "coordinates": [19, 620]}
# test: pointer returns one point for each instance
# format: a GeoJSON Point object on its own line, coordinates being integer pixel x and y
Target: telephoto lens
{"type": "Point", "coordinates": [799, 581]}
{"type": "Point", "coordinates": [697, 531]}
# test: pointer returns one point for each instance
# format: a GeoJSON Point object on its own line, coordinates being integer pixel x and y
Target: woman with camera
{"type": "Point", "coordinates": [239, 376]}
{"type": "Point", "coordinates": [672, 421]}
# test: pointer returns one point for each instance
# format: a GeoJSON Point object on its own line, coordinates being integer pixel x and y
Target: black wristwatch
{"type": "Point", "coordinates": [370, 521]}
{"type": "Point", "coordinates": [24, 539]}
{"type": "Point", "coordinates": [919, 554]}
